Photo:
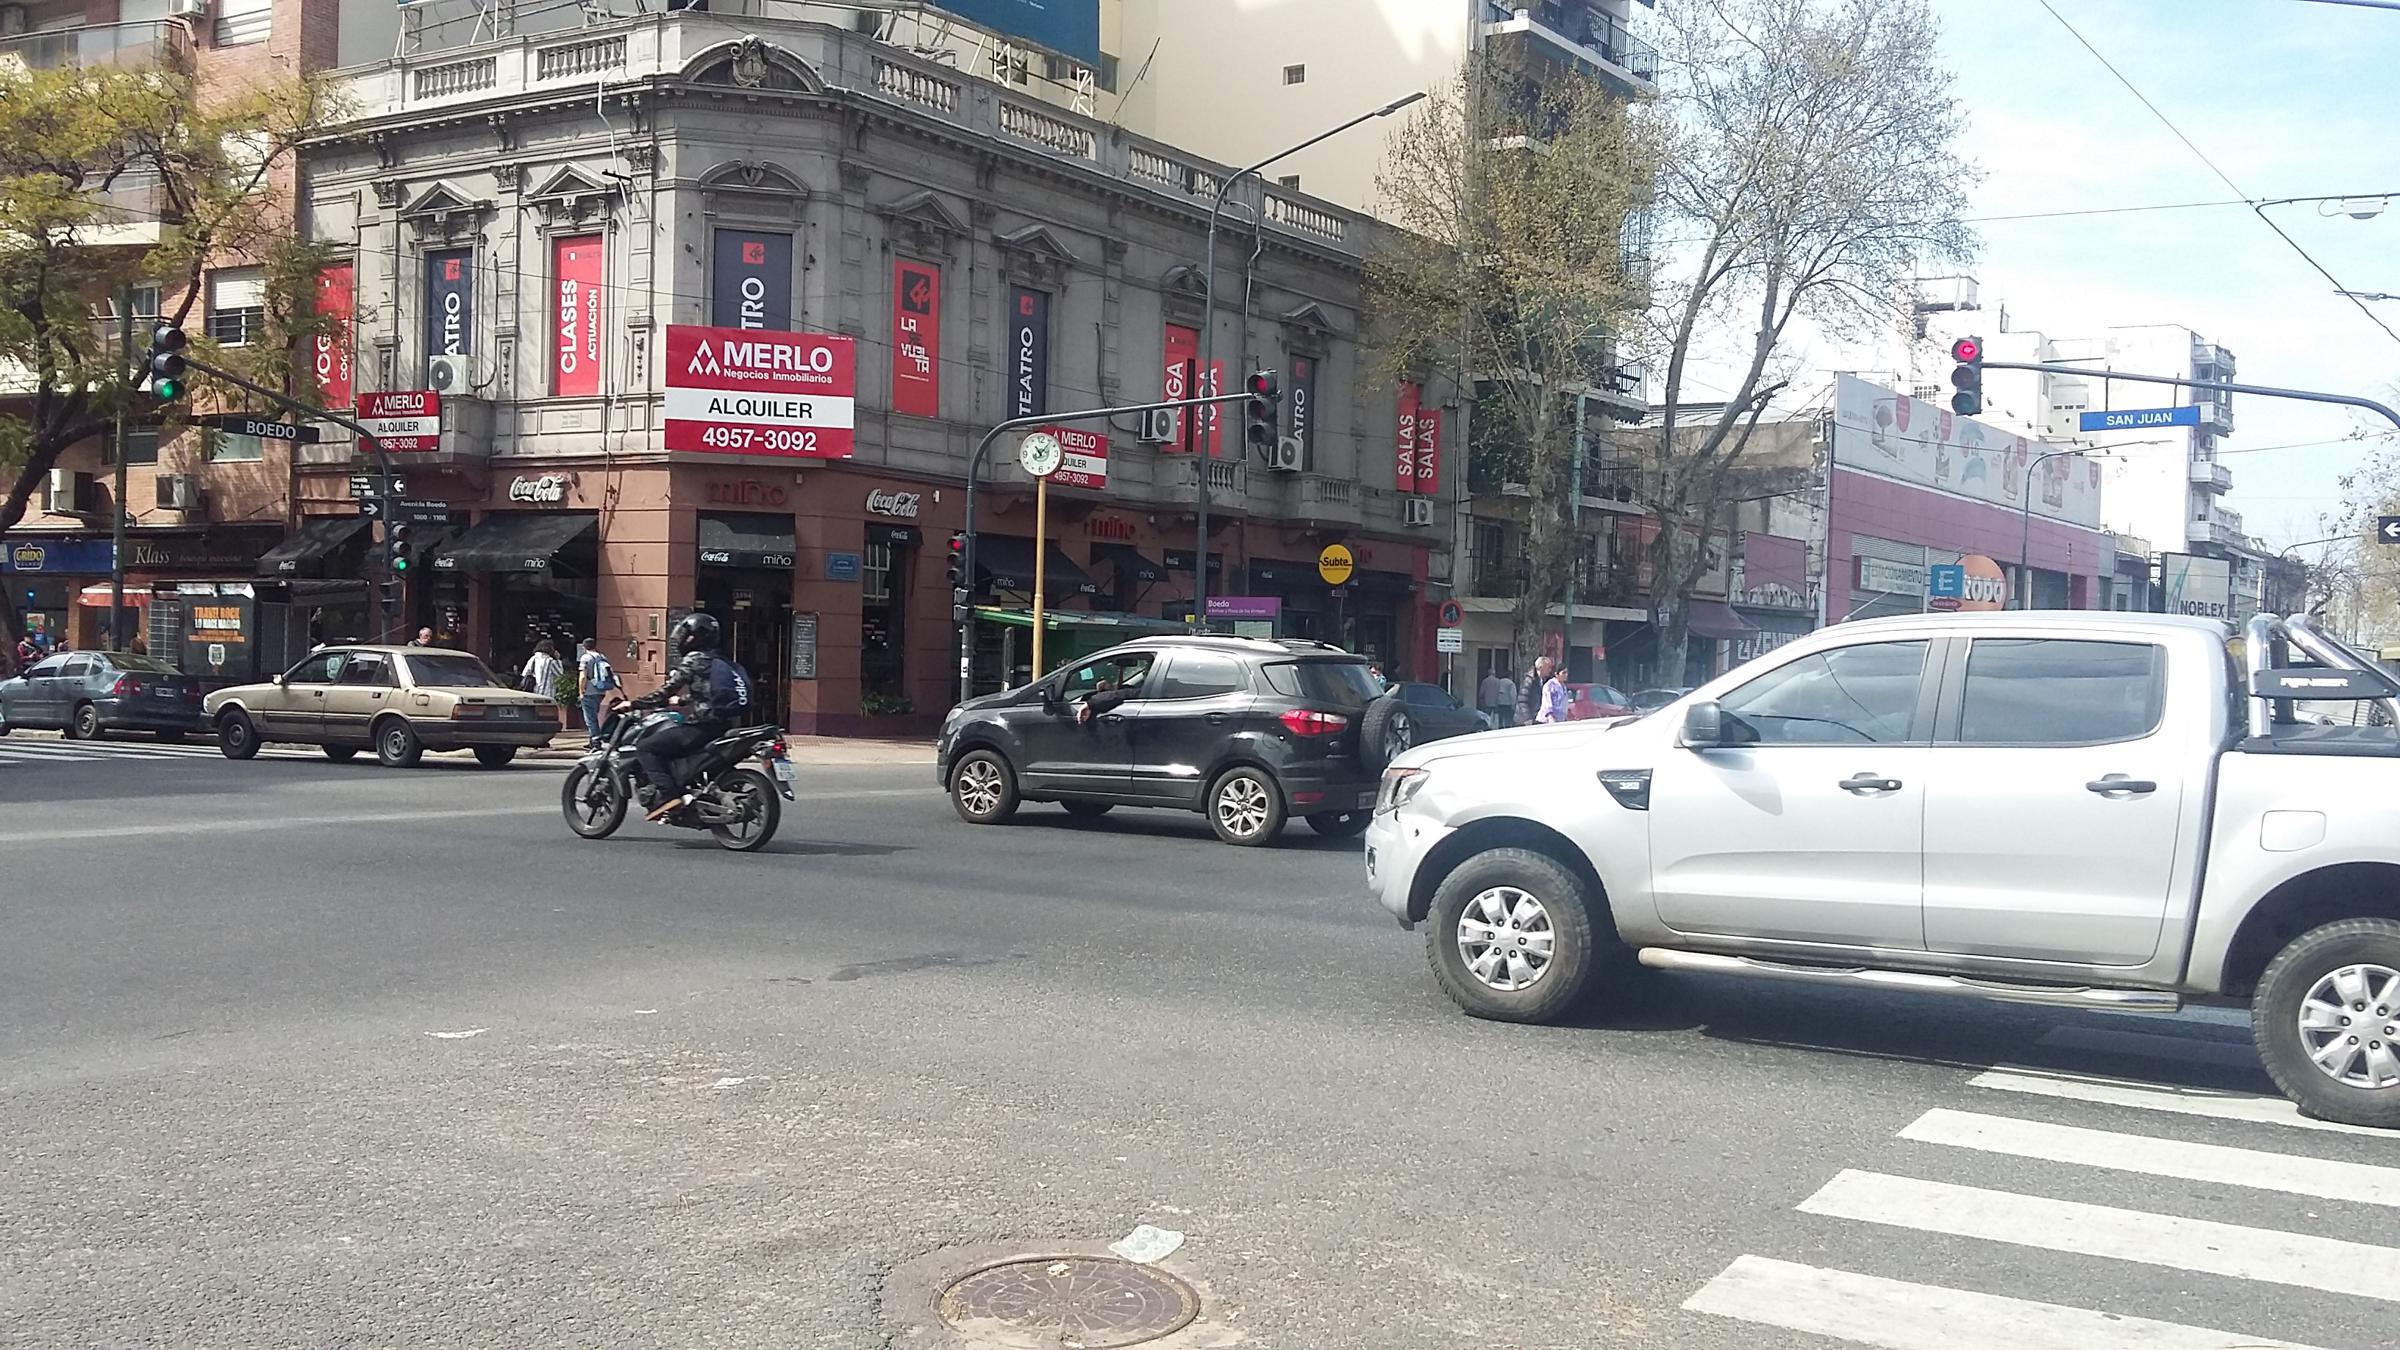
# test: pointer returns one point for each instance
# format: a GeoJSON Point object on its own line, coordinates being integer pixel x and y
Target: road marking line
{"type": "Point", "coordinates": [2151, 1045]}
{"type": "Point", "coordinates": [2363, 1183]}
{"type": "Point", "coordinates": [2202, 1245]}
{"type": "Point", "coordinates": [1897, 1315]}
{"type": "Point", "coordinates": [2238, 1106]}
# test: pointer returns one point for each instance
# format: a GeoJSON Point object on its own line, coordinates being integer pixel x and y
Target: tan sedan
{"type": "Point", "coordinates": [399, 701]}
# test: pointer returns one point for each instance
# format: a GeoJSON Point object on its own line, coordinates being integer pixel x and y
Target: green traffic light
{"type": "Point", "coordinates": [168, 390]}
{"type": "Point", "coordinates": [399, 564]}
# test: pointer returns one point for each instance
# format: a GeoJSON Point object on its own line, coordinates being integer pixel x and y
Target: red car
{"type": "Point", "coordinates": [1585, 701]}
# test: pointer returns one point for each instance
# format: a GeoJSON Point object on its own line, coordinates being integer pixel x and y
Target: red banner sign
{"type": "Point", "coordinates": [1405, 444]}
{"type": "Point", "coordinates": [733, 391]}
{"type": "Point", "coordinates": [916, 339]}
{"type": "Point", "coordinates": [1213, 416]}
{"type": "Point", "coordinates": [576, 270]}
{"type": "Point", "coordinates": [1085, 464]}
{"type": "Point", "coordinates": [1429, 449]}
{"type": "Point", "coordinates": [1182, 372]}
{"type": "Point", "coordinates": [330, 351]}
{"type": "Point", "coordinates": [404, 420]}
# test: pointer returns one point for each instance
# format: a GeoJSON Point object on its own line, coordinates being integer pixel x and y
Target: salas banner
{"type": "Point", "coordinates": [577, 270]}
{"type": "Point", "coordinates": [735, 392]}
{"type": "Point", "coordinates": [751, 282]}
{"type": "Point", "coordinates": [1085, 462]}
{"type": "Point", "coordinates": [1429, 448]}
{"type": "Point", "coordinates": [330, 352]}
{"type": "Point", "coordinates": [1878, 431]}
{"type": "Point", "coordinates": [449, 302]}
{"type": "Point", "coordinates": [1404, 444]}
{"type": "Point", "coordinates": [916, 338]}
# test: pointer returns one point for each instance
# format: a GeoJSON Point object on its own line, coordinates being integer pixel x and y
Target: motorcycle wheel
{"type": "Point", "coordinates": [761, 811]}
{"type": "Point", "coordinates": [593, 805]}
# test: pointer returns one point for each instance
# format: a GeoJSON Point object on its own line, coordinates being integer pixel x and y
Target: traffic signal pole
{"type": "Point", "coordinates": [383, 463]}
{"type": "Point", "coordinates": [2212, 386]}
{"type": "Point", "coordinates": [116, 548]}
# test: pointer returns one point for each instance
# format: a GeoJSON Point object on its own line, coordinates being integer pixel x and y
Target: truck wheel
{"type": "Point", "coordinates": [1511, 936]}
{"type": "Point", "coordinates": [983, 789]}
{"type": "Point", "coordinates": [2326, 1021]}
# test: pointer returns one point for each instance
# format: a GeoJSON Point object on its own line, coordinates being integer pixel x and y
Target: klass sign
{"type": "Point", "coordinates": [736, 392]}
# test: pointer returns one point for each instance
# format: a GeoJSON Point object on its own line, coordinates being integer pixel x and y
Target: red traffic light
{"type": "Point", "coordinates": [1262, 385]}
{"type": "Point", "coordinates": [1966, 349]}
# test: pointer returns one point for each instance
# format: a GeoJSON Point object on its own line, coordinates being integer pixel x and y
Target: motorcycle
{"type": "Point", "coordinates": [736, 804]}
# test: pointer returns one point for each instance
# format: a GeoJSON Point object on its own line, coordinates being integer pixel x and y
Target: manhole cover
{"type": "Point", "coordinates": [1093, 1303]}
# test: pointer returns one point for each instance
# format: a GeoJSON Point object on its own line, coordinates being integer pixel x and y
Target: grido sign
{"type": "Point", "coordinates": [752, 288]}
{"type": "Point", "coordinates": [730, 392]}
{"type": "Point", "coordinates": [403, 420]}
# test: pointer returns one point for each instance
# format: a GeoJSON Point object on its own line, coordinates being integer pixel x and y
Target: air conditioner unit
{"type": "Point", "coordinates": [1286, 455]}
{"type": "Point", "coordinates": [178, 492]}
{"type": "Point", "coordinates": [70, 493]}
{"type": "Point", "coordinates": [1158, 427]}
{"type": "Point", "coordinates": [446, 374]}
{"type": "Point", "coordinates": [187, 9]}
{"type": "Point", "coordinates": [1416, 511]}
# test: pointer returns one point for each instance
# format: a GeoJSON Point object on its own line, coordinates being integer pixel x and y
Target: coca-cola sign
{"type": "Point", "coordinates": [550, 487]}
{"type": "Point", "coordinates": [897, 505]}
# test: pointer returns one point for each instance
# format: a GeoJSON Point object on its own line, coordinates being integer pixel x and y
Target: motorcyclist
{"type": "Point", "coordinates": [714, 691]}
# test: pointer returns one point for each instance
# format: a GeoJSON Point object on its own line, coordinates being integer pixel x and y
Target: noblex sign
{"type": "Point", "coordinates": [731, 392]}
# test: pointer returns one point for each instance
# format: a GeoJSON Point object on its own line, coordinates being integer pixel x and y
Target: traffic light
{"type": "Point", "coordinates": [1262, 413]}
{"type": "Point", "coordinates": [1968, 377]}
{"type": "Point", "coordinates": [164, 366]}
{"type": "Point", "coordinates": [398, 549]}
{"type": "Point", "coordinates": [958, 559]}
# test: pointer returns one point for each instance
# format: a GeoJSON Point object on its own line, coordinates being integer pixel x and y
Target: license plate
{"type": "Point", "coordinates": [1366, 800]}
{"type": "Point", "coordinates": [783, 771]}
{"type": "Point", "coordinates": [164, 693]}
{"type": "Point", "coordinates": [510, 710]}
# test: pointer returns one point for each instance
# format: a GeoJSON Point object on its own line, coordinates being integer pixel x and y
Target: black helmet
{"type": "Point", "coordinates": [695, 632]}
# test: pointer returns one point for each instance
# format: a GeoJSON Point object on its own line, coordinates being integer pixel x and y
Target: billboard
{"type": "Point", "coordinates": [1028, 352]}
{"type": "Point", "coordinates": [750, 285]}
{"type": "Point", "coordinates": [575, 315]}
{"type": "Point", "coordinates": [916, 338]}
{"type": "Point", "coordinates": [1069, 27]}
{"type": "Point", "coordinates": [1895, 436]}
{"type": "Point", "coordinates": [1405, 443]}
{"type": "Point", "coordinates": [1304, 408]}
{"type": "Point", "coordinates": [330, 351]}
{"type": "Point", "coordinates": [1181, 375]}
{"type": "Point", "coordinates": [1086, 461]}
{"type": "Point", "coordinates": [1429, 447]}
{"type": "Point", "coordinates": [732, 391]}
{"type": "Point", "coordinates": [2196, 585]}
{"type": "Point", "coordinates": [449, 302]}
{"type": "Point", "coordinates": [403, 420]}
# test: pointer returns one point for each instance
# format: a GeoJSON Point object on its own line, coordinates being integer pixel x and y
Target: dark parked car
{"type": "Point", "coordinates": [1651, 700]}
{"type": "Point", "coordinates": [1248, 731]}
{"type": "Point", "coordinates": [90, 694]}
{"type": "Point", "coordinates": [1426, 712]}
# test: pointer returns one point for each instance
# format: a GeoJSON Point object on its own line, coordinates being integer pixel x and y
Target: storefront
{"type": "Point", "coordinates": [744, 579]}
{"type": "Point", "coordinates": [47, 574]}
{"type": "Point", "coordinates": [540, 576]}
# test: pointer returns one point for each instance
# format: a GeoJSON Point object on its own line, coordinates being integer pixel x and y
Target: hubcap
{"type": "Point", "coordinates": [395, 744]}
{"type": "Point", "coordinates": [1504, 936]}
{"type": "Point", "coordinates": [1242, 806]}
{"type": "Point", "coordinates": [87, 722]}
{"type": "Point", "coordinates": [979, 787]}
{"type": "Point", "coordinates": [1404, 733]}
{"type": "Point", "coordinates": [2350, 1026]}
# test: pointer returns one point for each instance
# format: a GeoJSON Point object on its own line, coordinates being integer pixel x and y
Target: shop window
{"type": "Point", "coordinates": [217, 447]}
{"type": "Point", "coordinates": [875, 580]}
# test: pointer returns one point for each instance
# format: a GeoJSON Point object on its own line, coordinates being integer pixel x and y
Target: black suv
{"type": "Point", "coordinates": [1249, 731]}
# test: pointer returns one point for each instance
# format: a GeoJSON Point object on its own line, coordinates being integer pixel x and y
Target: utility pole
{"type": "Point", "coordinates": [116, 550]}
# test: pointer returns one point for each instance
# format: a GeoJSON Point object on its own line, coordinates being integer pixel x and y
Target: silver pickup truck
{"type": "Point", "coordinates": [2095, 810]}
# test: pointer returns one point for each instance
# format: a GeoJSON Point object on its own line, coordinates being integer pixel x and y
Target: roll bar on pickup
{"type": "Point", "coordinates": [2267, 644]}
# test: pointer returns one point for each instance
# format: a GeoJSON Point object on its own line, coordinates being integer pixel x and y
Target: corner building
{"type": "Point", "coordinates": [522, 220]}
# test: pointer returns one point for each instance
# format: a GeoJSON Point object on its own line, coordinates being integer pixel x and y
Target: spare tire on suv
{"type": "Point", "coordinates": [1385, 730]}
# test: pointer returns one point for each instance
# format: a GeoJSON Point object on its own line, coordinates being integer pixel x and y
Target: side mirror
{"type": "Point", "coordinates": [1704, 725]}
{"type": "Point", "coordinates": [278, 679]}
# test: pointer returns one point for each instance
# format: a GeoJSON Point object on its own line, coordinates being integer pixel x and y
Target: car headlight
{"type": "Point", "coordinates": [1399, 788]}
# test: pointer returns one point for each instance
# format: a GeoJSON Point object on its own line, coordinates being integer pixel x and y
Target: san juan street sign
{"type": "Point", "coordinates": [2139, 419]}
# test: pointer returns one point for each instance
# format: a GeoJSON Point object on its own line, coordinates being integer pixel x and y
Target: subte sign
{"type": "Point", "coordinates": [737, 392]}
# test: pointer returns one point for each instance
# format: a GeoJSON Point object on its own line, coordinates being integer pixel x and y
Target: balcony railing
{"type": "Point", "coordinates": [1591, 32]}
{"type": "Point", "coordinates": [150, 43]}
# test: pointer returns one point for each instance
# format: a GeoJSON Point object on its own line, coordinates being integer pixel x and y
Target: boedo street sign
{"type": "Point", "coordinates": [732, 391]}
{"type": "Point", "coordinates": [264, 428]}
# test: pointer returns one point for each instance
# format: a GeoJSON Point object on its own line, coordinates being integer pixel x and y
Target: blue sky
{"type": "Point", "coordinates": [2289, 98]}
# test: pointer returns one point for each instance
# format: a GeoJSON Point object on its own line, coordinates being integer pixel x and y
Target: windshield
{"type": "Point", "coordinates": [1344, 684]}
{"type": "Point", "coordinates": [149, 665]}
{"type": "Point", "coordinates": [452, 672]}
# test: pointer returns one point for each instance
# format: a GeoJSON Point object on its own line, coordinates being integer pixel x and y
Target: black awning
{"type": "Point", "coordinates": [1005, 562]}
{"type": "Point", "coordinates": [312, 546]}
{"type": "Point", "coordinates": [1714, 619]}
{"type": "Point", "coordinates": [1129, 562]}
{"type": "Point", "coordinates": [1395, 583]}
{"type": "Point", "coordinates": [747, 539]}
{"type": "Point", "coordinates": [514, 541]}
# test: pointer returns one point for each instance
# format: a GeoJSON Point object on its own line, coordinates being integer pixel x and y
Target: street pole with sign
{"type": "Point", "coordinates": [1039, 454]}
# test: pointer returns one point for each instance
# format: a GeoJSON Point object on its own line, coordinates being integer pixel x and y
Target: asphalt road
{"type": "Point", "coordinates": [302, 1054]}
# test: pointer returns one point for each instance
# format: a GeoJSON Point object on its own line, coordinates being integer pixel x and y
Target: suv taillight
{"type": "Point", "coordinates": [1301, 722]}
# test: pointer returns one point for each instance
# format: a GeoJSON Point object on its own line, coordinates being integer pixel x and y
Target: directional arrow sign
{"type": "Point", "coordinates": [2387, 529]}
{"type": "Point", "coordinates": [367, 485]}
{"type": "Point", "coordinates": [371, 507]}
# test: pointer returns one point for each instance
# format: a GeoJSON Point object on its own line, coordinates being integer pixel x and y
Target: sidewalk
{"type": "Point", "coordinates": [804, 749]}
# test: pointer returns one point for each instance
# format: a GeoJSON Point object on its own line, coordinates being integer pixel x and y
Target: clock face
{"type": "Point", "coordinates": [1040, 454]}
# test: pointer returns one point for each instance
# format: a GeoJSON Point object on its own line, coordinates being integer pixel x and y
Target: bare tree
{"type": "Point", "coordinates": [1809, 172]}
{"type": "Point", "coordinates": [1512, 192]}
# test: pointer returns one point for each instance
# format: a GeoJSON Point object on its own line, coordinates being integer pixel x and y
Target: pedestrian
{"type": "Point", "coordinates": [1530, 691]}
{"type": "Point", "coordinates": [1498, 698]}
{"type": "Point", "coordinates": [1555, 700]}
{"type": "Point", "coordinates": [595, 680]}
{"type": "Point", "coordinates": [28, 651]}
{"type": "Point", "coordinates": [539, 675]}
{"type": "Point", "coordinates": [424, 638]}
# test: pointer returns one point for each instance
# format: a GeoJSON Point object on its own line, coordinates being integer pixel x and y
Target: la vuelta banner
{"type": "Point", "coordinates": [330, 351]}
{"type": "Point", "coordinates": [1429, 448]}
{"type": "Point", "coordinates": [732, 391]}
{"type": "Point", "coordinates": [1405, 444]}
{"type": "Point", "coordinates": [576, 312]}
{"type": "Point", "coordinates": [916, 338]}
{"type": "Point", "coordinates": [1182, 370]}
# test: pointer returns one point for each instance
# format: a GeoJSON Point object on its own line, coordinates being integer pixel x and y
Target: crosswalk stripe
{"type": "Point", "coordinates": [2236, 1106]}
{"type": "Point", "coordinates": [2151, 1045]}
{"type": "Point", "coordinates": [2321, 1177]}
{"type": "Point", "coordinates": [1897, 1315]}
{"type": "Point", "coordinates": [2201, 1245]}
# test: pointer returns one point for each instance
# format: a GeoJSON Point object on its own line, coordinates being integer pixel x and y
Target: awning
{"type": "Point", "coordinates": [1130, 624]}
{"type": "Point", "coordinates": [747, 539]}
{"type": "Point", "coordinates": [311, 546]}
{"type": "Point", "coordinates": [514, 541]}
{"type": "Point", "coordinates": [1714, 619]}
{"type": "Point", "coordinates": [1006, 562]}
{"type": "Point", "coordinates": [100, 597]}
{"type": "Point", "coordinates": [1128, 561]}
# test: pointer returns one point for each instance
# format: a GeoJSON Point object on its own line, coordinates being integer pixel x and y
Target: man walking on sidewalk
{"type": "Point", "coordinates": [595, 680]}
{"type": "Point", "coordinates": [1498, 698]}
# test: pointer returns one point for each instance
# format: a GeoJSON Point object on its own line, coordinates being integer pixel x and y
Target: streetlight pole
{"type": "Point", "coordinates": [1208, 341]}
{"type": "Point", "coordinates": [2025, 527]}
